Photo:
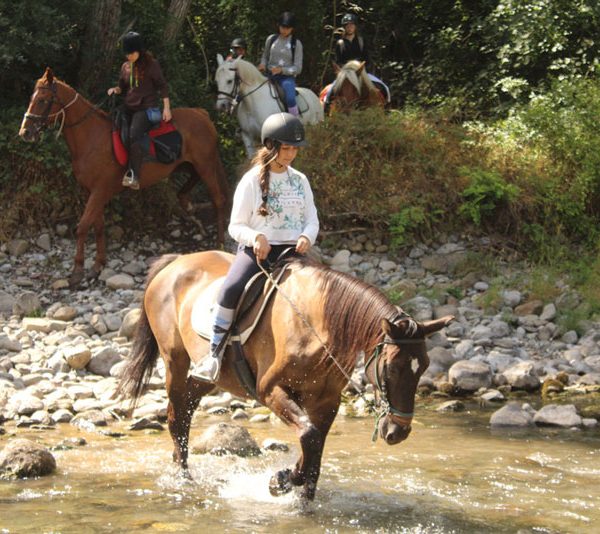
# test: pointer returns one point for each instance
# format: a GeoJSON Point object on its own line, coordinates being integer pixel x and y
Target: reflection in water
{"type": "Point", "coordinates": [451, 475]}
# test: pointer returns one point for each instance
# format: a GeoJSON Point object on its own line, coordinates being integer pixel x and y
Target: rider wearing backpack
{"type": "Point", "coordinates": [282, 59]}
{"type": "Point", "coordinates": [352, 46]}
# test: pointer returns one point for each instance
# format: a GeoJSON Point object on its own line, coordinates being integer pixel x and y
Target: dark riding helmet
{"type": "Point", "coordinates": [132, 42]}
{"type": "Point", "coordinates": [282, 128]}
{"type": "Point", "coordinates": [349, 18]}
{"type": "Point", "coordinates": [287, 20]}
{"type": "Point", "coordinates": [238, 42]}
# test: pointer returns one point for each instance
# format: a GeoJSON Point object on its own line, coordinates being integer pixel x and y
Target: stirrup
{"type": "Point", "coordinates": [208, 369]}
{"type": "Point", "coordinates": [130, 180]}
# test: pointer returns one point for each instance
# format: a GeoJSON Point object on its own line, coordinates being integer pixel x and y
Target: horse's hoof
{"type": "Point", "coordinates": [280, 483]}
{"type": "Point", "coordinates": [75, 279]}
{"type": "Point", "coordinates": [93, 273]}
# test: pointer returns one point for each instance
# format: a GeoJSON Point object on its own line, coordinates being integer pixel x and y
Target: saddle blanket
{"type": "Point", "coordinates": [203, 311]}
{"type": "Point", "coordinates": [165, 135]}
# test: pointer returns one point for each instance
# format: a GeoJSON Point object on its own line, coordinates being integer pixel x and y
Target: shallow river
{"type": "Point", "coordinates": [452, 475]}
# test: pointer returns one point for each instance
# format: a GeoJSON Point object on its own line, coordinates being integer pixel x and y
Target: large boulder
{"type": "Point", "coordinates": [558, 415]}
{"type": "Point", "coordinates": [522, 376]}
{"type": "Point", "coordinates": [225, 438]}
{"type": "Point", "coordinates": [22, 458]}
{"type": "Point", "coordinates": [514, 414]}
{"type": "Point", "coordinates": [468, 375]}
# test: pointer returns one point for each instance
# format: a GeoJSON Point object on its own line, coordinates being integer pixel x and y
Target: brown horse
{"type": "Point", "coordinates": [87, 131]}
{"type": "Point", "coordinates": [352, 89]}
{"type": "Point", "coordinates": [302, 355]}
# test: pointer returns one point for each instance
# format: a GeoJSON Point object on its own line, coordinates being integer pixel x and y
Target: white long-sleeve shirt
{"type": "Point", "coordinates": [290, 203]}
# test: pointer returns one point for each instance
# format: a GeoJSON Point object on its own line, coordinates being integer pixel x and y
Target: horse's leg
{"type": "Point", "coordinates": [183, 194]}
{"type": "Point", "coordinates": [209, 171]}
{"type": "Point", "coordinates": [184, 395]}
{"type": "Point", "coordinates": [312, 432]}
{"type": "Point", "coordinates": [100, 260]}
{"type": "Point", "coordinates": [93, 208]}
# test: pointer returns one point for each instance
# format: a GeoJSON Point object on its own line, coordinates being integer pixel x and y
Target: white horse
{"type": "Point", "coordinates": [241, 87]}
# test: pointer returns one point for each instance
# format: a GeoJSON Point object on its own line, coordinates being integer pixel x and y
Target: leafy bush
{"type": "Point", "coordinates": [484, 194]}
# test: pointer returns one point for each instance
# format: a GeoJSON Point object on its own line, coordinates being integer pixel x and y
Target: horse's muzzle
{"type": "Point", "coordinates": [223, 105]}
{"type": "Point", "coordinates": [393, 432]}
{"type": "Point", "coordinates": [27, 135]}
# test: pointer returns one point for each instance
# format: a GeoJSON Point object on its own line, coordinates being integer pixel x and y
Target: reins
{"type": "Point", "coordinates": [43, 118]}
{"type": "Point", "coordinates": [384, 406]}
{"type": "Point", "coordinates": [235, 95]}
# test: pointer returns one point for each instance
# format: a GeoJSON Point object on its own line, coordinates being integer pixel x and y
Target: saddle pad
{"type": "Point", "coordinates": [120, 151]}
{"type": "Point", "coordinates": [202, 310]}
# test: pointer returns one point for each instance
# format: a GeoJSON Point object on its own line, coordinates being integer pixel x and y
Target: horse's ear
{"type": "Point", "coordinates": [387, 327]}
{"type": "Point", "coordinates": [49, 75]}
{"type": "Point", "coordinates": [220, 59]}
{"type": "Point", "coordinates": [360, 67]}
{"type": "Point", "coordinates": [336, 67]}
{"type": "Point", "coordinates": [433, 326]}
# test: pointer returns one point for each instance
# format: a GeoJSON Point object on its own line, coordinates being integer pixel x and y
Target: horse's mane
{"type": "Point", "coordinates": [350, 72]}
{"type": "Point", "coordinates": [43, 81]}
{"type": "Point", "coordinates": [352, 311]}
{"type": "Point", "coordinates": [248, 72]}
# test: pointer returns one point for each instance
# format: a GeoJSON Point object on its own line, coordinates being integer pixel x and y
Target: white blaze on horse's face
{"type": "Point", "coordinates": [414, 365]}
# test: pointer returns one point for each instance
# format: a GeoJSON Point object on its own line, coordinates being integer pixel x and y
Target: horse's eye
{"type": "Point", "coordinates": [229, 82]}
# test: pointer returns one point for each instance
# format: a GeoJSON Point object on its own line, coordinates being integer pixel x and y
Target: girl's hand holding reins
{"type": "Point", "coordinates": [302, 245]}
{"type": "Point", "coordinates": [261, 247]}
{"type": "Point", "coordinates": [114, 91]}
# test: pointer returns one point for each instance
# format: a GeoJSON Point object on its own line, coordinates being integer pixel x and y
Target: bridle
{"type": "Point", "coordinates": [42, 120]}
{"type": "Point", "coordinates": [235, 96]}
{"type": "Point", "coordinates": [384, 406]}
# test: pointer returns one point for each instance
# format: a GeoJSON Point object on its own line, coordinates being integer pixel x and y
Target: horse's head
{"type": "Point", "coordinates": [228, 84]}
{"type": "Point", "coordinates": [47, 102]}
{"type": "Point", "coordinates": [352, 86]}
{"type": "Point", "coordinates": [395, 369]}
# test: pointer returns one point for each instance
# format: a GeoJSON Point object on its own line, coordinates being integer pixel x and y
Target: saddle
{"type": "Point", "coordinates": [162, 143]}
{"type": "Point", "coordinates": [278, 94]}
{"type": "Point", "coordinates": [251, 306]}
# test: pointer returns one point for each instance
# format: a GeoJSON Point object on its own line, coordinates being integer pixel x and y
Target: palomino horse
{"type": "Point", "coordinates": [302, 355]}
{"type": "Point", "coordinates": [87, 131]}
{"type": "Point", "coordinates": [242, 87]}
{"type": "Point", "coordinates": [352, 88]}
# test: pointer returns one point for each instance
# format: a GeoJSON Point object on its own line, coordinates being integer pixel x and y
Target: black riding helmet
{"type": "Point", "coordinates": [238, 42]}
{"type": "Point", "coordinates": [282, 128]}
{"type": "Point", "coordinates": [287, 20]}
{"type": "Point", "coordinates": [349, 18]}
{"type": "Point", "coordinates": [132, 42]}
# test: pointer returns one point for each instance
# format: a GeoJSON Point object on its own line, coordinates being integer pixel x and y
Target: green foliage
{"type": "Point", "coordinates": [485, 193]}
{"type": "Point", "coordinates": [412, 221]}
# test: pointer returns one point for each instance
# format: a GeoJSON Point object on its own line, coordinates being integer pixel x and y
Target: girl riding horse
{"type": "Point", "coordinates": [273, 209]}
{"type": "Point", "coordinates": [141, 80]}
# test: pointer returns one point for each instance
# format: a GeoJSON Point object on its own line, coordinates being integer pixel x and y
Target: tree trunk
{"type": "Point", "coordinates": [176, 15]}
{"type": "Point", "coordinates": [99, 45]}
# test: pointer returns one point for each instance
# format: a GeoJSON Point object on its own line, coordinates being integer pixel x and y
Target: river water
{"type": "Point", "coordinates": [453, 474]}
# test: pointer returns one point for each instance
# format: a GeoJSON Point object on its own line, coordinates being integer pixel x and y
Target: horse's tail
{"type": "Point", "coordinates": [144, 352]}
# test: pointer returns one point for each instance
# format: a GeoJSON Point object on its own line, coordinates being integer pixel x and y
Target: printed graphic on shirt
{"type": "Point", "coordinates": [287, 196]}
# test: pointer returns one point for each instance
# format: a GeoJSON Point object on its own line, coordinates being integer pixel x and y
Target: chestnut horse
{"type": "Point", "coordinates": [352, 88]}
{"type": "Point", "coordinates": [302, 355]}
{"type": "Point", "coordinates": [87, 131]}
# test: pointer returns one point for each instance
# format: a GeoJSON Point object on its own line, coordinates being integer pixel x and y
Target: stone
{"type": "Point", "coordinates": [102, 361]}
{"type": "Point", "coordinates": [468, 375]}
{"type": "Point", "coordinates": [522, 376]}
{"type": "Point", "coordinates": [511, 298]}
{"type": "Point", "coordinates": [145, 423]}
{"type": "Point", "coordinates": [43, 324]}
{"type": "Point", "coordinates": [513, 414]}
{"type": "Point", "coordinates": [225, 438]}
{"type": "Point", "coordinates": [558, 415]}
{"type": "Point", "coordinates": [548, 313]}
{"type": "Point", "coordinates": [17, 247]}
{"type": "Point", "coordinates": [43, 241]}
{"type": "Point", "coordinates": [120, 281]}
{"type": "Point", "coordinates": [23, 458]}
{"type": "Point", "coordinates": [12, 345]}
{"type": "Point", "coordinates": [6, 302]}
{"type": "Point", "coordinates": [129, 323]}
{"type": "Point", "coordinates": [65, 313]}
{"type": "Point", "coordinates": [26, 304]}
{"type": "Point", "coordinates": [451, 406]}
{"type": "Point", "coordinates": [271, 444]}
{"type": "Point", "coordinates": [77, 356]}
{"type": "Point", "coordinates": [532, 307]}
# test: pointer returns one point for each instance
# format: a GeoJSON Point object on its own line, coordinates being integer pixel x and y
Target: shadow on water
{"type": "Point", "coordinates": [452, 475]}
